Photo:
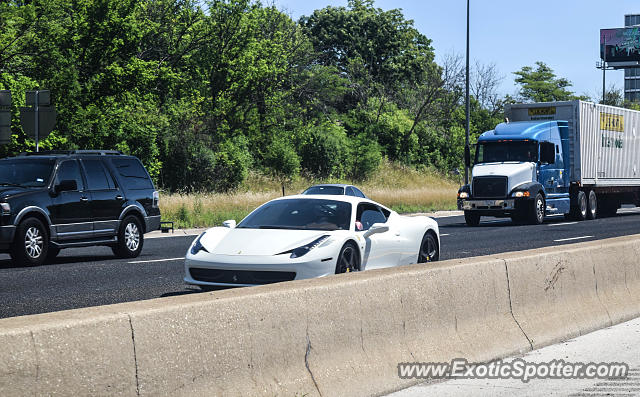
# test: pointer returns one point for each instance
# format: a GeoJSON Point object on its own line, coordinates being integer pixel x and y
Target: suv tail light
{"type": "Point", "coordinates": [156, 199]}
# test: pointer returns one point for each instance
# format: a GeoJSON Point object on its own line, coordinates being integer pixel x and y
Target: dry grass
{"type": "Point", "coordinates": [400, 188]}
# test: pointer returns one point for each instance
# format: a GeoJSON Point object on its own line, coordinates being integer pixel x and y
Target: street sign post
{"type": "Point", "coordinates": [38, 121]}
{"type": "Point", "coordinates": [5, 117]}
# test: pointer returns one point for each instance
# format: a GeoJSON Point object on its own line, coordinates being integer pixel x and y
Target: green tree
{"type": "Point", "coordinates": [282, 161]}
{"type": "Point", "coordinates": [542, 85]}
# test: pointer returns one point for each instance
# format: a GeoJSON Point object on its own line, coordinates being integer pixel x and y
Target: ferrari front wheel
{"type": "Point", "coordinates": [348, 259]}
{"type": "Point", "coordinates": [429, 250]}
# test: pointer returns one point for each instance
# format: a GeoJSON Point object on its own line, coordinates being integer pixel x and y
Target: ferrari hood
{"type": "Point", "coordinates": [253, 242]}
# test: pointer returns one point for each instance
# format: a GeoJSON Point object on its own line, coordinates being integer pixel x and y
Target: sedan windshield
{"type": "Point", "coordinates": [300, 214]}
{"type": "Point", "coordinates": [497, 152]}
{"type": "Point", "coordinates": [332, 190]}
{"type": "Point", "coordinates": [25, 173]}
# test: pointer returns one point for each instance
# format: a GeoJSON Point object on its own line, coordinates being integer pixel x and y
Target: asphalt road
{"type": "Point", "coordinates": [92, 276]}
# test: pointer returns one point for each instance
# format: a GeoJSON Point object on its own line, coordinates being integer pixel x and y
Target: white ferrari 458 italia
{"type": "Point", "coordinates": [308, 236]}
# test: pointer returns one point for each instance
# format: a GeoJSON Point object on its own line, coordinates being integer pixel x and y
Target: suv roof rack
{"type": "Point", "coordinates": [70, 152]}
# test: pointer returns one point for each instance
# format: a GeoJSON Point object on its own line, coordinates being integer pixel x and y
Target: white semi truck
{"type": "Point", "coordinates": [574, 158]}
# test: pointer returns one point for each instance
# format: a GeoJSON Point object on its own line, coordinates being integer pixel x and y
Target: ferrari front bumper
{"type": "Point", "coordinates": [244, 271]}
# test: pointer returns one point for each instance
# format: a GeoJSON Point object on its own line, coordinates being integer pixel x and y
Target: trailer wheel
{"type": "Point", "coordinates": [579, 210]}
{"type": "Point", "coordinates": [592, 212]}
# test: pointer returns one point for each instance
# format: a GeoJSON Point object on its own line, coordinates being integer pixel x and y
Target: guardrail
{"type": "Point", "coordinates": [336, 336]}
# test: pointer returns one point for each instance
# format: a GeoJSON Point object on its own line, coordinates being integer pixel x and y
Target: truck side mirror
{"type": "Point", "coordinates": [547, 152]}
{"type": "Point", "coordinates": [467, 156]}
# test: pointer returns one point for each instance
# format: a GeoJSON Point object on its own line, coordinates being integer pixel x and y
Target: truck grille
{"type": "Point", "coordinates": [489, 187]}
{"type": "Point", "coordinates": [240, 276]}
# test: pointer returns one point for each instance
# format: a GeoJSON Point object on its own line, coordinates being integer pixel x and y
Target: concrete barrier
{"type": "Point", "coordinates": [341, 335]}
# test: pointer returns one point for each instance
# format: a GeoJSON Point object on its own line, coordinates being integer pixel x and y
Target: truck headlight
{"type": "Point", "coordinates": [6, 208]}
{"type": "Point", "coordinates": [521, 194]}
{"type": "Point", "coordinates": [463, 195]}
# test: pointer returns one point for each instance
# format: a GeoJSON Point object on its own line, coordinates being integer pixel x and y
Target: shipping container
{"type": "Point", "coordinates": [603, 146]}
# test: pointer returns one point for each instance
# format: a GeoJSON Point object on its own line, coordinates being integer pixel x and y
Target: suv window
{"type": "Point", "coordinates": [133, 174]}
{"type": "Point", "coordinates": [368, 214]}
{"type": "Point", "coordinates": [69, 170]}
{"type": "Point", "coordinates": [97, 177]}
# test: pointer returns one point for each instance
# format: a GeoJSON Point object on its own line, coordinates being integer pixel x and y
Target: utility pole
{"type": "Point", "coordinates": [604, 69]}
{"type": "Point", "coordinates": [467, 150]}
{"type": "Point", "coordinates": [36, 122]}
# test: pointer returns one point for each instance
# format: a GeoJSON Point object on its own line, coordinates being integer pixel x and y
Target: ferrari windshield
{"type": "Point", "coordinates": [25, 173]}
{"type": "Point", "coordinates": [300, 214]}
{"type": "Point", "coordinates": [497, 152]}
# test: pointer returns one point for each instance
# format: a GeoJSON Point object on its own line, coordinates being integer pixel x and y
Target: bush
{"type": "Point", "coordinates": [282, 161]}
{"type": "Point", "coordinates": [232, 162]}
{"type": "Point", "coordinates": [194, 167]}
{"type": "Point", "coordinates": [326, 153]}
{"type": "Point", "coordinates": [366, 158]}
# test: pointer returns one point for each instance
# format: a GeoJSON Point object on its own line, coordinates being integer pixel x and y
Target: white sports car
{"type": "Point", "coordinates": [307, 236]}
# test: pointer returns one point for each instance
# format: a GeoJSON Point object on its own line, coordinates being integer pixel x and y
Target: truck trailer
{"type": "Point", "coordinates": [574, 158]}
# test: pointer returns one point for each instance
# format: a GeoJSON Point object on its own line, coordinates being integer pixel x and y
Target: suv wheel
{"type": "Point", "coordinates": [31, 243]}
{"type": "Point", "coordinates": [130, 238]}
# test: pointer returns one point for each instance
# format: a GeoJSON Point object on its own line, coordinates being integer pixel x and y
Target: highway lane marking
{"type": "Point", "coordinates": [563, 224]}
{"type": "Point", "coordinates": [572, 238]}
{"type": "Point", "coordinates": [158, 260]}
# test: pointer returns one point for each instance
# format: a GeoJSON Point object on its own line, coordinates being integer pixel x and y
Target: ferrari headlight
{"type": "Point", "coordinates": [303, 250]}
{"type": "Point", "coordinates": [463, 195]}
{"type": "Point", "coordinates": [197, 245]}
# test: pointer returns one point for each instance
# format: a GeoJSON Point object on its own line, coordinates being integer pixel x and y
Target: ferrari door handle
{"type": "Point", "coordinates": [84, 199]}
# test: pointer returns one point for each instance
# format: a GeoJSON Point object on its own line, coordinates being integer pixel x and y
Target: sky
{"type": "Point", "coordinates": [564, 34]}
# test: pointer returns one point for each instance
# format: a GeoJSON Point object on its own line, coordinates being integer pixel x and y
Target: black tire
{"type": "Point", "coordinates": [348, 259]}
{"type": "Point", "coordinates": [130, 232]}
{"type": "Point", "coordinates": [471, 218]}
{"type": "Point", "coordinates": [429, 250]}
{"type": "Point", "coordinates": [30, 244]}
{"type": "Point", "coordinates": [592, 205]}
{"type": "Point", "coordinates": [579, 210]}
{"type": "Point", "coordinates": [53, 253]}
{"type": "Point", "coordinates": [537, 210]}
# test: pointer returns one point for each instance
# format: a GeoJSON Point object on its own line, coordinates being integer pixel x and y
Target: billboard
{"type": "Point", "coordinates": [623, 44]}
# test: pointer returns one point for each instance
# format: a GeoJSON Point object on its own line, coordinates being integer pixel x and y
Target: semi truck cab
{"type": "Point", "coordinates": [521, 170]}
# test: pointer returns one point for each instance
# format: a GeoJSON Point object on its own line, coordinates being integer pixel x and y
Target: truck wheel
{"type": "Point", "coordinates": [471, 218]}
{"type": "Point", "coordinates": [592, 212]}
{"type": "Point", "coordinates": [579, 211]}
{"type": "Point", "coordinates": [537, 211]}
{"type": "Point", "coordinates": [31, 243]}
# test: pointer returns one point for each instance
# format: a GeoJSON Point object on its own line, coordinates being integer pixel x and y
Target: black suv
{"type": "Point", "coordinates": [62, 199]}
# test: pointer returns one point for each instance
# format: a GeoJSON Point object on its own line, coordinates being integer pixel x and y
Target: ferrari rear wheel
{"type": "Point", "coordinates": [429, 251]}
{"type": "Point", "coordinates": [348, 259]}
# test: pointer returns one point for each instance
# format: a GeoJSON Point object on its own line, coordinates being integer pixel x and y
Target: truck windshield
{"type": "Point", "coordinates": [497, 152]}
{"type": "Point", "coordinates": [25, 173]}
